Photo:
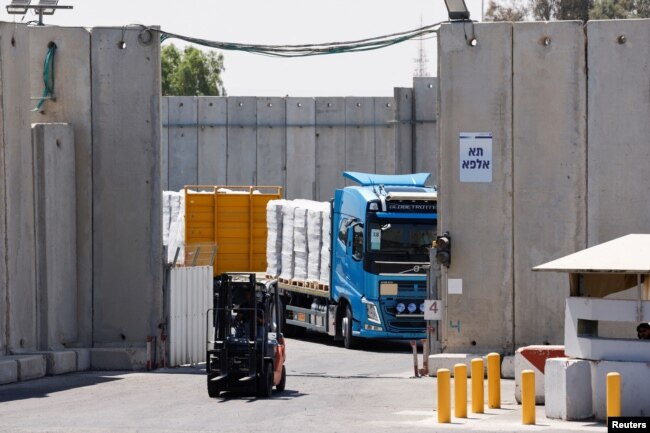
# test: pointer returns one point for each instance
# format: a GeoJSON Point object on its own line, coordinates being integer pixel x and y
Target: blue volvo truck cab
{"type": "Point", "coordinates": [382, 230]}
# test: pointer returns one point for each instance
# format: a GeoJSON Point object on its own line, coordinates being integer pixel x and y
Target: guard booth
{"type": "Point", "coordinates": [609, 296]}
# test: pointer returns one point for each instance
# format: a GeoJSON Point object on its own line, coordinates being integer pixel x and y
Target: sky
{"type": "Point", "coordinates": [278, 22]}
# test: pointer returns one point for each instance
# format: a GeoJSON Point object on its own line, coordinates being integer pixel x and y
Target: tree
{"type": "Point", "coordinates": [513, 11]}
{"type": "Point", "coordinates": [191, 72]}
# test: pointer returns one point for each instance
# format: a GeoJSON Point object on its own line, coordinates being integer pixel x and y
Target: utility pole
{"type": "Point", "coordinates": [421, 62]}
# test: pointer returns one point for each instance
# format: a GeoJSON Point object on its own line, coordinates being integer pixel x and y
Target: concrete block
{"type": "Point", "coordinates": [242, 134]}
{"type": "Point", "coordinates": [30, 366]}
{"type": "Point", "coordinates": [534, 358]}
{"type": "Point", "coordinates": [83, 359]}
{"type": "Point", "coordinates": [635, 387]}
{"type": "Point", "coordinates": [8, 371]}
{"type": "Point", "coordinates": [508, 367]}
{"type": "Point", "coordinates": [359, 135]}
{"type": "Point", "coordinates": [56, 233]}
{"type": "Point", "coordinates": [271, 141]}
{"type": "Point", "coordinates": [425, 98]}
{"type": "Point", "coordinates": [60, 362]}
{"type": "Point", "coordinates": [330, 131]}
{"type": "Point", "coordinates": [183, 142]}
{"type": "Point", "coordinates": [567, 389]}
{"type": "Point", "coordinates": [449, 360]}
{"type": "Point", "coordinates": [404, 135]}
{"type": "Point", "coordinates": [134, 358]}
{"type": "Point", "coordinates": [385, 136]}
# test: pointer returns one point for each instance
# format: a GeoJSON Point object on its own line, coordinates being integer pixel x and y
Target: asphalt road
{"type": "Point", "coordinates": [329, 389]}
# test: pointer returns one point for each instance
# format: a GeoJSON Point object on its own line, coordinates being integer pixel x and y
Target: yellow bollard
{"type": "Point", "coordinates": [528, 397]}
{"type": "Point", "coordinates": [494, 380]}
{"type": "Point", "coordinates": [613, 394]}
{"type": "Point", "coordinates": [444, 405]}
{"type": "Point", "coordinates": [477, 386]}
{"type": "Point", "coordinates": [460, 391]}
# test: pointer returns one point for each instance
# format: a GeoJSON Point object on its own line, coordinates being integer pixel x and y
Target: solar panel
{"type": "Point", "coordinates": [18, 7]}
{"type": "Point", "coordinates": [45, 10]}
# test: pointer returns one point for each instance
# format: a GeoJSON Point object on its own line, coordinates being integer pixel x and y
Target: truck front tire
{"type": "Point", "coordinates": [349, 341]}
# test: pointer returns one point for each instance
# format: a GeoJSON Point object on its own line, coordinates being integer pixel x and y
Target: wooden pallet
{"type": "Point", "coordinates": [324, 287]}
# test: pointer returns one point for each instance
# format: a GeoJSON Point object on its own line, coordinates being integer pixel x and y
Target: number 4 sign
{"type": "Point", "coordinates": [432, 309]}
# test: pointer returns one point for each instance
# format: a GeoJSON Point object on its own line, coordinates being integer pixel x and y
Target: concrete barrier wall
{"type": "Point", "coordinates": [619, 131]}
{"type": "Point", "coordinates": [425, 126]}
{"type": "Point", "coordinates": [18, 234]}
{"type": "Point", "coordinates": [127, 233]}
{"type": "Point", "coordinates": [72, 105]}
{"type": "Point", "coordinates": [476, 96]}
{"type": "Point", "coordinates": [302, 144]}
{"type": "Point", "coordinates": [549, 171]}
{"type": "Point", "coordinates": [56, 234]}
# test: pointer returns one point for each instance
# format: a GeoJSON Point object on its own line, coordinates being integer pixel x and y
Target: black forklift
{"type": "Point", "coordinates": [245, 346]}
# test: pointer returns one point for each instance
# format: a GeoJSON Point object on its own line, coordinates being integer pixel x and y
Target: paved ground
{"type": "Point", "coordinates": [329, 389]}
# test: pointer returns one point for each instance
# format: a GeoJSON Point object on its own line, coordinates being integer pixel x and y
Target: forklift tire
{"type": "Point", "coordinates": [349, 341]}
{"type": "Point", "coordinates": [283, 381]}
{"type": "Point", "coordinates": [213, 389]}
{"type": "Point", "coordinates": [265, 381]}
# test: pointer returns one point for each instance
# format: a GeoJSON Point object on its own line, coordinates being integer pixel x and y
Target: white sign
{"type": "Point", "coordinates": [432, 309]}
{"type": "Point", "coordinates": [375, 239]}
{"type": "Point", "coordinates": [476, 157]}
{"type": "Point", "coordinates": [455, 286]}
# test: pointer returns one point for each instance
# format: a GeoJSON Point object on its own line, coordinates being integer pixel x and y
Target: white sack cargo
{"type": "Point", "coordinates": [274, 216]}
{"type": "Point", "coordinates": [325, 253]}
{"type": "Point", "coordinates": [299, 240]}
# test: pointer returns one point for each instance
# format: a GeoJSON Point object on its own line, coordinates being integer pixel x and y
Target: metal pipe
{"type": "Point", "coordinates": [613, 394]}
{"type": "Point", "coordinates": [444, 404]}
{"type": "Point", "coordinates": [494, 380]}
{"type": "Point", "coordinates": [528, 397]}
{"type": "Point", "coordinates": [460, 391]}
{"type": "Point", "coordinates": [478, 398]}
{"type": "Point", "coordinates": [414, 346]}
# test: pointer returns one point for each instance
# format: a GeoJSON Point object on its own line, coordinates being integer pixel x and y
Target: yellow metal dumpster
{"type": "Point", "coordinates": [228, 223]}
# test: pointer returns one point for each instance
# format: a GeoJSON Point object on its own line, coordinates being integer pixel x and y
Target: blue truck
{"type": "Point", "coordinates": [382, 230]}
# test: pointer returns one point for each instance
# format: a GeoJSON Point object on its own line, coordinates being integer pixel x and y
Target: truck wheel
{"type": "Point", "coordinates": [213, 389]}
{"type": "Point", "coordinates": [283, 381]}
{"type": "Point", "coordinates": [349, 342]}
{"type": "Point", "coordinates": [265, 381]}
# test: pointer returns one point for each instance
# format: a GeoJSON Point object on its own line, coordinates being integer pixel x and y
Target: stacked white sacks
{"type": "Point", "coordinates": [304, 244]}
{"type": "Point", "coordinates": [174, 224]}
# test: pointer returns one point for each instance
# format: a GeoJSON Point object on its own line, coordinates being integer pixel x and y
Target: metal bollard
{"type": "Point", "coordinates": [528, 397]}
{"type": "Point", "coordinates": [460, 391]}
{"type": "Point", "coordinates": [444, 389]}
{"type": "Point", "coordinates": [494, 380]}
{"type": "Point", "coordinates": [613, 394]}
{"type": "Point", "coordinates": [478, 399]}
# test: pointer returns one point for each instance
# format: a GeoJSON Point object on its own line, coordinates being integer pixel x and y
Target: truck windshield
{"type": "Point", "coordinates": [398, 243]}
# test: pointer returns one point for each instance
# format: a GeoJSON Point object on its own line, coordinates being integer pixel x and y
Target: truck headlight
{"type": "Point", "coordinates": [371, 311]}
{"type": "Point", "coordinates": [400, 308]}
{"type": "Point", "coordinates": [411, 307]}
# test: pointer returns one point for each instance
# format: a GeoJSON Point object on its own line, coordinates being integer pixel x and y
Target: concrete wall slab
{"type": "Point", "coordinates": [164, 145]}
{"type": "Point", "coordinates": [60, 362]}
{"type": "Point", "coordinates": [183, 142]}
{"type": "Point", "coordinates": [550, 171]}
{"type": "Point", "coordinates": [403, 116]}
{"type": "Point", "coordinates": [19, 188]}
{"type": "Point", "coordinates": [385, 130]}
{"type": "Point", "coordinates": [127, 259]}
{"type": "Point", "coordinates": [635, 387]}
{"type": "Point", "coordinates": [213, 140]}
{"type": "Point", "coordinates": [271, 142]}
{"type": "Point", "coordinates": [242, 136]}
{"type": "Point", "coordinates": [330, 146]}
{"type": "Point", "coordinates": [29, 366]}
{"type": "Point", "coordinates": [477, 215]}
{"type": "Point", "coordinates": [56, 233]}
{"type": "Point", "coordinates": [359, 135]}
{"type": "Point", "coordinates": [72, 105]}
{"type": "Point", "coordinates": [425, 98]}
{"type": "Point", "coordinates": [301, 148]}
{"type": "Point", "coordinates": [619, 131]}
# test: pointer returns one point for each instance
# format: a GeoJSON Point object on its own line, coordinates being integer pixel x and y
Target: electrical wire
{"type": "Point", "coordinates": [306, 50]}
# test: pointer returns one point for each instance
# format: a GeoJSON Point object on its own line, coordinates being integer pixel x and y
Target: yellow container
{"type": "Point", "coordinates": [226, 225]}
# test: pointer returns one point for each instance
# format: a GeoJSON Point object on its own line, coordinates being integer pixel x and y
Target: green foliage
{"type": "Point", "coordinates": [514, 10]}
{"type": "Point", "coordinates": [191, 72]}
